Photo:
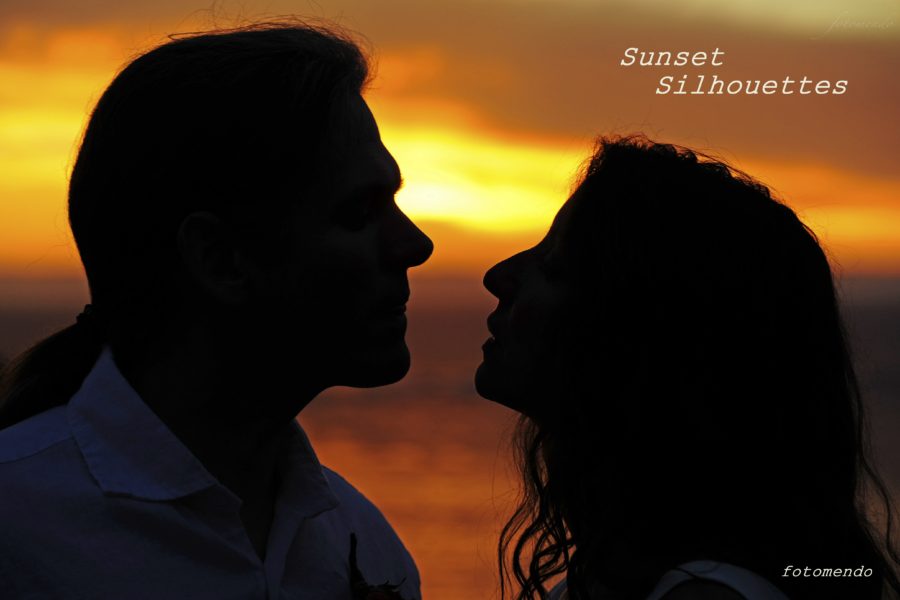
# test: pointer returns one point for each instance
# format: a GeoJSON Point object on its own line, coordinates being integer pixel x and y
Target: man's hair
{"type": "Point", "coordinates": [212, 121]}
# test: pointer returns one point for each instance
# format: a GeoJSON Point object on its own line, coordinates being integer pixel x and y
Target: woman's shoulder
{"type": "Point", "coordinates": [712, 580]}
{"type": "Point", "coordinates": [698, 589]}
{"type": "Point", "coordinates": [703, 580]}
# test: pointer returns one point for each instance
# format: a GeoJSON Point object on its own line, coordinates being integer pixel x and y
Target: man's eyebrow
{"type": "Point", "coordinates": [391, 186]}
{"type": "Point", "coordinates": [386, 183]}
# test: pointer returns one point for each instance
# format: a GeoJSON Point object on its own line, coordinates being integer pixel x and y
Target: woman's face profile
{"type": "Point", "coordinates": [522, 356]}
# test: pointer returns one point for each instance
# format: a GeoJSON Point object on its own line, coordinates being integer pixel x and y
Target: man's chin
{"type": "Point", "coordinates": [381, 367]}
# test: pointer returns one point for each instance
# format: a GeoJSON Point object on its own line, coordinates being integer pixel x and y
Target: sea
{"type": "Point", "coordinates": [434, 456]}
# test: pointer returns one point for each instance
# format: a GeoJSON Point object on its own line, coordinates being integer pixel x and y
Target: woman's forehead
{"type": "Point", "coordinates": [358, 124]}
{"type": "Point", "coordinates": [564, 215]}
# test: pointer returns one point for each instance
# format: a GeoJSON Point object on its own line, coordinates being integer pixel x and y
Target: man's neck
{"type": "Point", "coordinates": [235, 418]}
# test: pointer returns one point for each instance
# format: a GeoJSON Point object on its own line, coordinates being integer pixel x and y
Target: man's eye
{"type": "Point", "coordinates": [365, 209]}
{"type": "Point", "coordinates": [357, 216]}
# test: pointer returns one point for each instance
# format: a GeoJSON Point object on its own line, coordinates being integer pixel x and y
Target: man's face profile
{"type": "Point", "coordinates": [342, 292]}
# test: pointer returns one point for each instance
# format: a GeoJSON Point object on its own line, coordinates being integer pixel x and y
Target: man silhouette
{"type": "Point", "coordinates": [233, 205]}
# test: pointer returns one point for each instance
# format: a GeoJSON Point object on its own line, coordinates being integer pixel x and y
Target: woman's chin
{"type": "Point", "coordinates": [484, 382]}
{"type": "Point", "coordinates": [490, 386]}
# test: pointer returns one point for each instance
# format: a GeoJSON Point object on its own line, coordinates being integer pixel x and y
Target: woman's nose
{"type": "Point", "coordinates": [500, 279]}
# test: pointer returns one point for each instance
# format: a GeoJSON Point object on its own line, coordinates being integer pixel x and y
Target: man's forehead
{"type": "Point", "coordinates": [361, 154]}
{"type": "Point", "coordinates": [370, 164]}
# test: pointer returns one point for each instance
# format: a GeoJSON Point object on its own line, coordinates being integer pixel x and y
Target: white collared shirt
{"type": "Point", "coordinates": [98, 499]}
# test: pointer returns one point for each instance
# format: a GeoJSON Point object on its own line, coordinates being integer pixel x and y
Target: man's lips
{"type": "Point", "coordinates": [393, 308]}
{"type": "Point", "coordinates": [492, 324]}
{"type": "Point", "coordinates": [395, 311]}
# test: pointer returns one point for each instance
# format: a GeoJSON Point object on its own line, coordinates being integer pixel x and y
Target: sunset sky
{"type": "Point", "coordinates": [490, 107]}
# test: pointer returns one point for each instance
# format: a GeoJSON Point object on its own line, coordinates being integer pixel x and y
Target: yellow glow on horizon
{"type": "Point", "coordinates": [484, 189]}
{"type": "Point", "coordinates": [35, 145]}
{"type": "Point", "coordinates": [473, 181]}
{"type": "Point", "coordinates": [478, 184]}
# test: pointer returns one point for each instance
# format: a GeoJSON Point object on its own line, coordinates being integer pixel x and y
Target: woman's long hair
{"type": "Point", "coordinates": [707, 406]}
{"type": "Point", "coordinates": [237, 123]}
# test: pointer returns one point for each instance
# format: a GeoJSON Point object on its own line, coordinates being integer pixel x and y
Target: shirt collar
{"type": "Point", "coordinates": [304, 487]}
{"type": "Point", "coordinates": [127, 448]}
{"type": "Point", "coordinates": [130, 451]}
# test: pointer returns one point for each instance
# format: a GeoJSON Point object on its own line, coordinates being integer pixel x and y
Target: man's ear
{"type": "Point", "coordinates": [212, 259]}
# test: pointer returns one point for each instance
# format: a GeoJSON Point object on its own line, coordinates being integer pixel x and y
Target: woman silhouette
{"type": "Point", "coordinates": [691, 421]}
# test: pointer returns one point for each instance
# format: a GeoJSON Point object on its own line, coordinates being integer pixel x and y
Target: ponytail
{"type": "Point", "coordinates": [50, 372]}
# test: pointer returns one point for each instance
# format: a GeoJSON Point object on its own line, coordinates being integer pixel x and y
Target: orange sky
{"type": "Point", "coordinates": [490, 107]}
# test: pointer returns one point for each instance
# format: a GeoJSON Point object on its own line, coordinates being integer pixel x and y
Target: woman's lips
{"type": "Point", "coordinates": [492, 325]}
{"type": "Point", "coordinates": [396, 311]}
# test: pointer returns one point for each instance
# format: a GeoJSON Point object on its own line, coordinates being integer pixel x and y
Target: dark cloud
{"type": "Point", "coordinates": [562, 75]}
{"type": "Point", "coordinates": [552, 68]}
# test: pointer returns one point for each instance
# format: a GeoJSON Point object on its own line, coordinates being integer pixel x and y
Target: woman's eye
{"type": "Point", "coordinates": [552, 268]}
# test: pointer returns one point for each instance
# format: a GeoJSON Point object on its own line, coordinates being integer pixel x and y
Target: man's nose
{"type": "Point", "coordinates": [413, 247]}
